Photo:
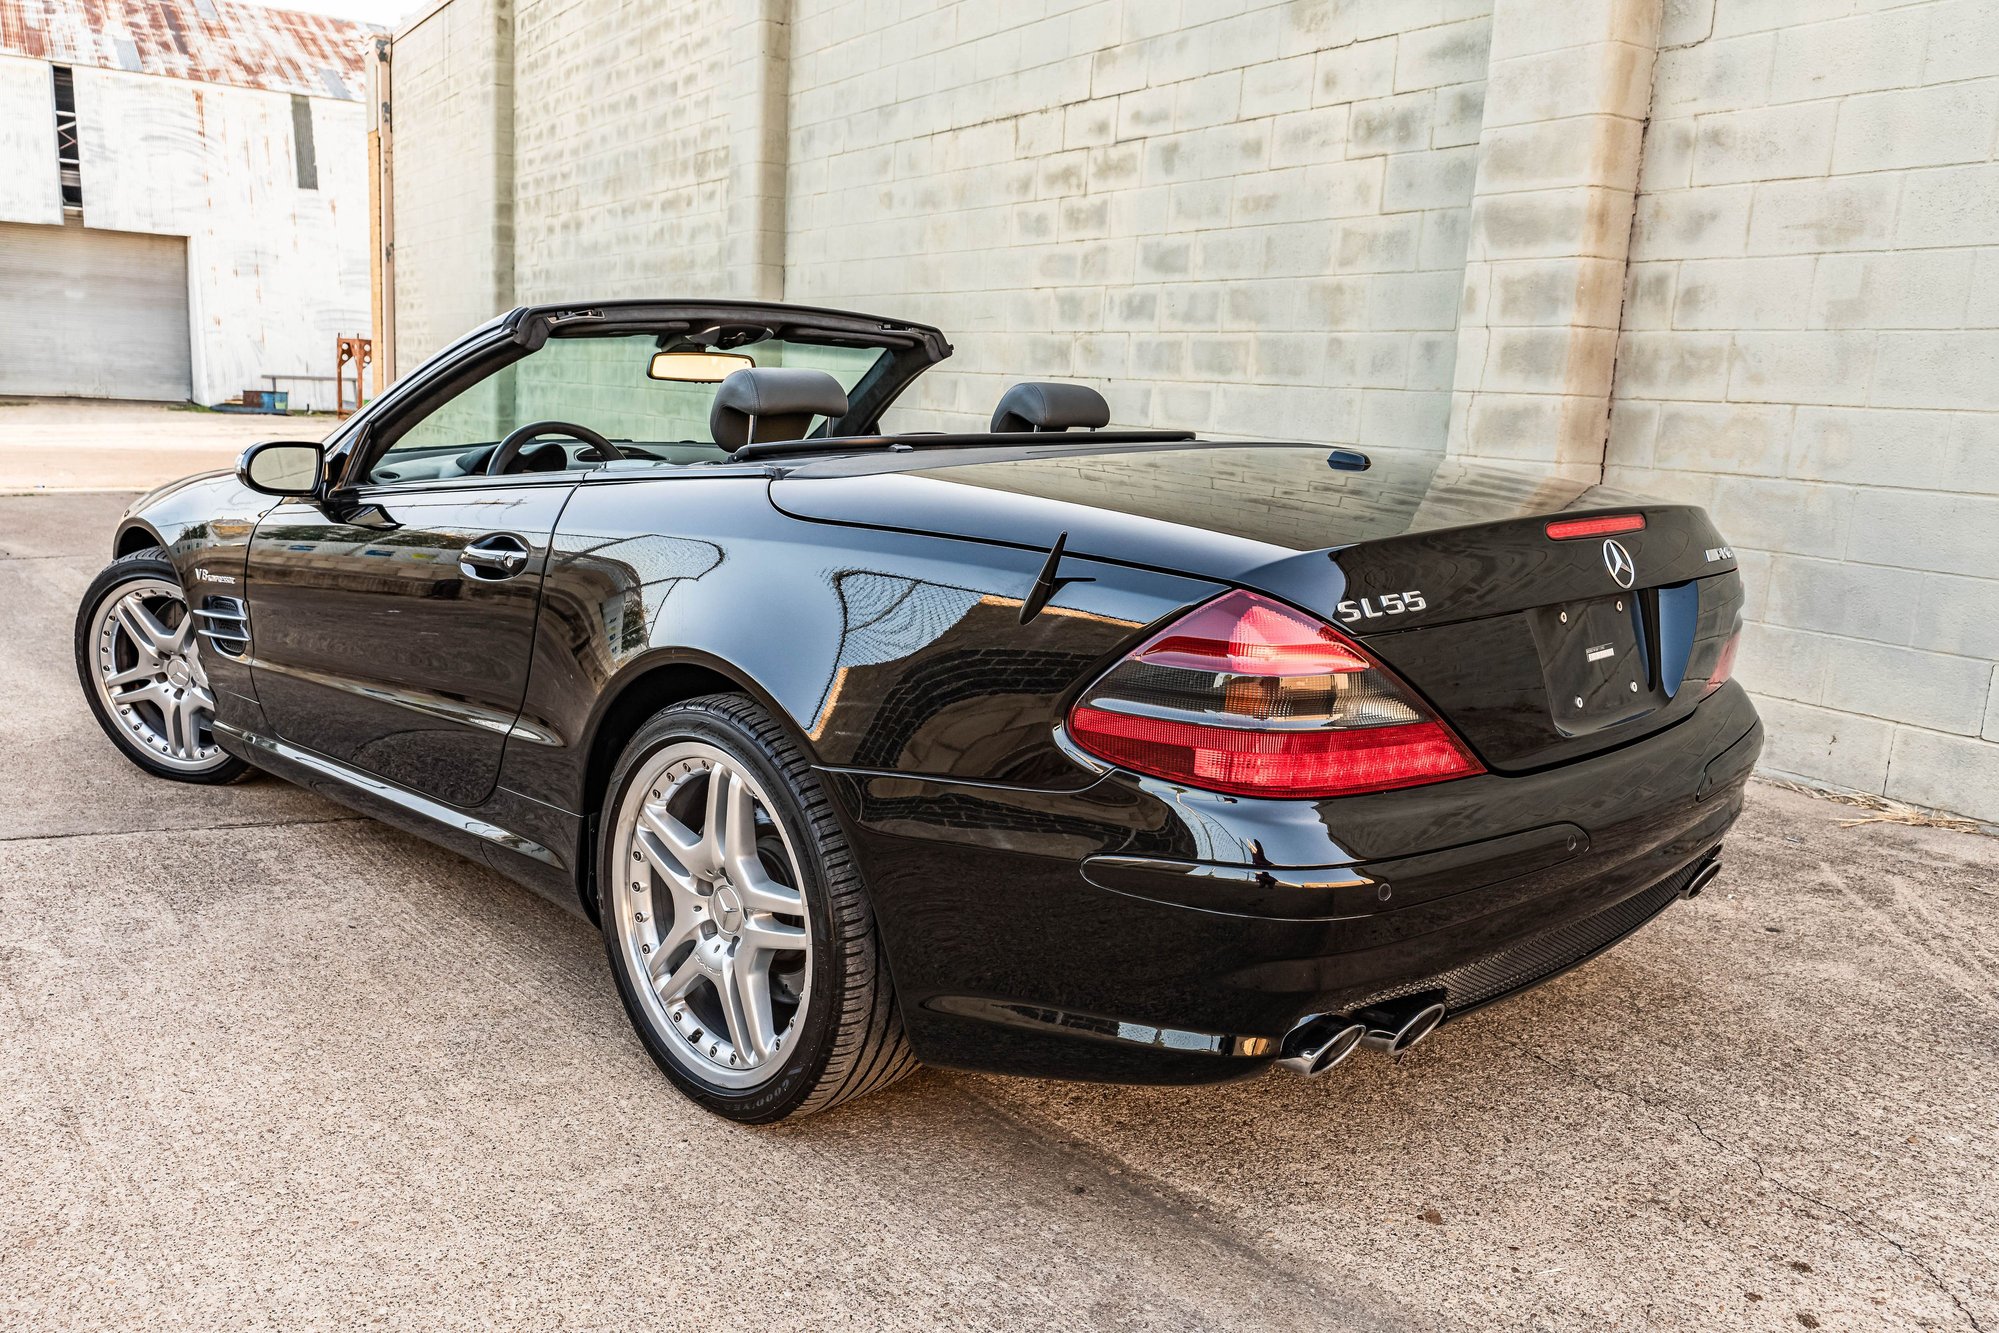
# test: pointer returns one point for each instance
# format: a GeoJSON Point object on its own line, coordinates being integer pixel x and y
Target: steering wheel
{"type": "Point", "coordinates": [517, 439]}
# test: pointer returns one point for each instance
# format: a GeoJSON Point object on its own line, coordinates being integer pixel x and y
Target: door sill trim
{"type": "Point", "coordinates": [422, 806]}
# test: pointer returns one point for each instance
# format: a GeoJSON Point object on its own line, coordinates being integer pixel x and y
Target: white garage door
{"type": "Point", "coordinates": [92, 314]}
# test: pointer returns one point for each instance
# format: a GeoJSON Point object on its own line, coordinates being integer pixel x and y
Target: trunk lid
{"type": "Point", "coordinates": [1538, 651]}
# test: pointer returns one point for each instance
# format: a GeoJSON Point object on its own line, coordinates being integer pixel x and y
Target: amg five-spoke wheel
{"type": "Point", "coordinates": [740, 934]}
{"type": "Point", "coordinates": [711, 914]}
{"type": "Point", "coordinates": [139, 657]}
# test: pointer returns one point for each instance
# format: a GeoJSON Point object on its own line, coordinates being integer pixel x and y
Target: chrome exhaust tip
{"type": "Point", "coordinates": [1393, 1029]}
{"type": "Point", "coordinates": [1319, 1043]}
{"type": "Point", "coordinates": [1702, 878]}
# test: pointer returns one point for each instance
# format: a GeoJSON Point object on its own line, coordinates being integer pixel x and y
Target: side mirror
{"type": "Point", "coordinates": [281, 467]}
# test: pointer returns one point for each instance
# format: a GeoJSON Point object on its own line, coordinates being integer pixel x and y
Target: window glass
{"type": "Point", "coordinates": [600, 383]}
{"type": "Point", "coordinates": [306, 159]}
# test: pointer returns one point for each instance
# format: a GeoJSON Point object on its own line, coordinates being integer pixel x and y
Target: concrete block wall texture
{"type": "Point", "coordinates": [1246, 219]}
{"type": "Point", "coordinates": [454, 174]}
{"type": "Point", "coordinates": [1550, 226]}
{"type": "Point", "coordinates": [212, 163]}
{"type": "Point", "coordinates": [1740, 252]}
{"type": "Point", "coordinates": [1810, 348]}
{"type": "Point", "coordinates": [622, 165]}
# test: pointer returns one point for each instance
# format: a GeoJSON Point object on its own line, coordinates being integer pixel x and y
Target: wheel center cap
{"type": "Point", "coordinates": [728, 908]}
{"type": "Point", "coordinates": [178, 673]}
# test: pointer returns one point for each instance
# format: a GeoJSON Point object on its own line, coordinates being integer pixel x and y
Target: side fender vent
{"type": "Point", "coordinates": [225, 623]}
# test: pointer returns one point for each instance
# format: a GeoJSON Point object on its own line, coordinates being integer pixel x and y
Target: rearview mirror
{"type": "Point", "coordinates": [697, 367]}
{"type": "Point", "coordinates": [280, 467]}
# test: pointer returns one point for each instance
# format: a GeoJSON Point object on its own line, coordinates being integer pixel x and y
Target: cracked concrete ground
{"type": "Point", "coordinates": [263, 1064]}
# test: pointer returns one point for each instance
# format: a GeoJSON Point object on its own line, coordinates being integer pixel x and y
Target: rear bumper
{"type": "Point", "coordinates": [1137, 932]}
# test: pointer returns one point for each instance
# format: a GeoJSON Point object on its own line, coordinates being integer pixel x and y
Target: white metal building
{"type": "Point", "coordinates": [183, 198]}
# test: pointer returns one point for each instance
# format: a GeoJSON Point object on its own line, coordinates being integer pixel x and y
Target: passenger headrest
{"type": "Point", "coordinates": [772, 403]}
{"type": "Point", "coordinates": [1050, 407]}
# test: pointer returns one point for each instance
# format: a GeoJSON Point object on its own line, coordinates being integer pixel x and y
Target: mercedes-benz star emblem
{"type": "Point", "coordinates": [1618, 561]}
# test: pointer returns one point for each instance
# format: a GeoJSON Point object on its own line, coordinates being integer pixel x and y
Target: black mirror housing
{"type": "Point", "coordinates": [282, 467]}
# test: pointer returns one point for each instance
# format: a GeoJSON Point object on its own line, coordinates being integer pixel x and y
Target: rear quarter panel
{"type": "Point", "coordinates": [887, 652]}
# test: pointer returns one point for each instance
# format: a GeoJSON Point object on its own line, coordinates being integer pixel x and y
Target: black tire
{"type": "Point", "coordinates": [151, 563]}
{"type": "Point", "coordinates": [852, 1041]}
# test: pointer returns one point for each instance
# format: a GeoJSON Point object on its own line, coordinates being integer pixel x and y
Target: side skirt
{"type": "Point", "coordinates": [519, 858]}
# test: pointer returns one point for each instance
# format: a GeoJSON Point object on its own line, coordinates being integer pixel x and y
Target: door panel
{"type": "Point", "coordinates": [394, 635]}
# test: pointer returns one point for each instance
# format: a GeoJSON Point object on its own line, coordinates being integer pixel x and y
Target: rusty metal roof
{"type": "Point", "coordinates": [204, 41]}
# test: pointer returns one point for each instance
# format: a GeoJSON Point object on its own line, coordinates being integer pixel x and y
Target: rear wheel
{"type": "Point", "coordinates": [139, 659]}
{"type": "Point", "coordinates": [738, 929]}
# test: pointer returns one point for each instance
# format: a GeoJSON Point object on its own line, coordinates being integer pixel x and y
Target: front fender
{"type": "Point", "coordinates": [204, 524]}
{"type": "Point", "coordinates": [203, 520]}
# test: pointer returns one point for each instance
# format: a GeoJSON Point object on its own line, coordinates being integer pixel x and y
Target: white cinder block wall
{"type": "Point", "coordinates": [1744, 252]}
{"type": "Point", "coordinates": [453, 142]}
{"type": "Point", "coordinates": [1241, 219]}
{"type": "Point", "coordinates": [1810, 348]}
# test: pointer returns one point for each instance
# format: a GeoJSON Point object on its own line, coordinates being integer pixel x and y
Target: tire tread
{"type": "Point", "coordinates": [156, 561]}
{"type": "Point", "coordinates": [869, 1051]}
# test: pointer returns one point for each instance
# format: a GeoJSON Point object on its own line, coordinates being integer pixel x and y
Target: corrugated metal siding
{"type": "Point", "coordinates": [203, 41]}
{"type": "Point", "coordinates": [100, 314]}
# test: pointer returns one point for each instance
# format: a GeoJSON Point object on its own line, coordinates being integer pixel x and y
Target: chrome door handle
{"type": "Point", "coordinates": [497, 557]}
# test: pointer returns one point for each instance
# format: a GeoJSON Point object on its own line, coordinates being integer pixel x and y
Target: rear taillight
{"type": "Point", "coordinates": [1568, 529]}
{"type": "Point", "coordinates": [1247, 696]}
{"type": "Point", "coordinates": [1724, 666]}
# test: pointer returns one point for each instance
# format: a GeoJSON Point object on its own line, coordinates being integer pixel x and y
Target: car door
{"type": "Point", "coordinates": [392, 621]}
{"type": "Point", "coordinates": [396, 639]}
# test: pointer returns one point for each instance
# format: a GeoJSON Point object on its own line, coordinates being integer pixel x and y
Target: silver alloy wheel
{"type": "Point", "coordinates": [710, 916]}
{"type": "Point", "coordinates": [150, 678]}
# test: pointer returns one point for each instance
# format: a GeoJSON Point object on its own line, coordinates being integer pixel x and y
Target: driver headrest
{"type": "Point", "coordinates": [772, 403]}
{"type": "Point", "coordinates": [1034, 406]}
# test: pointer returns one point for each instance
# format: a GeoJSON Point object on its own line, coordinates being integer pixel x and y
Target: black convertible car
{"type": "Point", "coordinates": [1053, 750]}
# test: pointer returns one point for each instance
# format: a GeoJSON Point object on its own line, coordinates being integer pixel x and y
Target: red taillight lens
{"type": "Point", "coordinates": [1724, 666]}
{"type": "Point", "coordinates": [1247, 696]}
{"type": "Point", "coordinates": [1567, 529]}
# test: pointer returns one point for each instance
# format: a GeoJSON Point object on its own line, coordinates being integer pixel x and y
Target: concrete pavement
{"type": "Point", "coordinates": [264, 1064]}
{"type": "Point", "coordinates": [87, 444]}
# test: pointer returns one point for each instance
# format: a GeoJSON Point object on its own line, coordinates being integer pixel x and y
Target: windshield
{"type": "Point", "coordinates": [621, 387]}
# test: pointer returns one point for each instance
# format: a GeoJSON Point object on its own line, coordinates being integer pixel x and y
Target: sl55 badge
{"type": "Point", "coordinates": [1389, 604]}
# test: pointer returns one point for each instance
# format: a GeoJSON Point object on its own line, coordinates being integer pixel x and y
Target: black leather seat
{"type": "Point", "coordinates": [772, 403]}
{"type": "Point", "coordinates": [1047, 406]}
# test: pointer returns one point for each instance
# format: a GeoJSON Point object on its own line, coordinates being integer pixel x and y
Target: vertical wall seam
{"type": "Point", "coordinates": [759, 153]}
{"type": "Point", "coordinates": [506, 275]}
{"type": "Point", "coordinates": [1630, 244]}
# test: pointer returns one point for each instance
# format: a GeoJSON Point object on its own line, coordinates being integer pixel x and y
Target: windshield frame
{"type": "Point", "coordinates": [913, 348]}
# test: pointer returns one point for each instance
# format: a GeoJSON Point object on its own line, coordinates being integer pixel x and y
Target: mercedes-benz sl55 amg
{"type": "Point", "coordinates": [1048, 749]}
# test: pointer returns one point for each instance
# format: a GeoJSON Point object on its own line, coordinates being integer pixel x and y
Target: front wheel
{"type": "Point", "coordinates": [739, 931]}
{"type": "Point", "coordinates": [139, 659]}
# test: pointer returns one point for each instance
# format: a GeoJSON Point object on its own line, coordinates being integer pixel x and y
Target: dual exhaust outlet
{"type": "Point", "coordinates": [1320, 1042]}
